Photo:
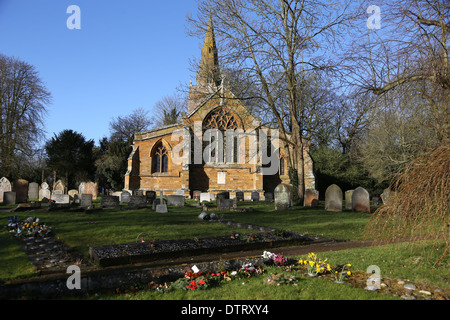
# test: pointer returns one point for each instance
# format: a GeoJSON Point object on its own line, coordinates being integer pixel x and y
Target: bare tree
{"type": "Point", "coordinates": [23, 100]}
{"type": "Point", "coordinates": [124, 127]}
{"type": "Point", "coordinates": [169, 109]}
{"type": "Point", "coordinates": [276, 43]}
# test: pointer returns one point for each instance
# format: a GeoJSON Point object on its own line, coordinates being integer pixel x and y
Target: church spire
{"type": "Point", "coordinates": [208, 73]}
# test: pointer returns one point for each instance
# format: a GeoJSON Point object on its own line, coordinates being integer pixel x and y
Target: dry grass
{"type": "Point", "coordinates": [419, 208]}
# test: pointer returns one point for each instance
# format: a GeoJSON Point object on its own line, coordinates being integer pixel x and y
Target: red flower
{"type": "Point", "coordinates": [193, 285]}
{"type": "Point", "coordinates": [201, 282]}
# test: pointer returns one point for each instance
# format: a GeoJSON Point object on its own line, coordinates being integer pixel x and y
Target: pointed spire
{"type": "Point", "coordinates": [208, 73]}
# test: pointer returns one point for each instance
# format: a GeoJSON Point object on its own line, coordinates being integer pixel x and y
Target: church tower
{"type": "Point", "coordinates": [208, 75]}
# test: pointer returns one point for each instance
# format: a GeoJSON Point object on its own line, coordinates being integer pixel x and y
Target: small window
{"type": "Point", "coordinates": [160, 159]}
{"type": "Point", "coordinates": [282, 164]}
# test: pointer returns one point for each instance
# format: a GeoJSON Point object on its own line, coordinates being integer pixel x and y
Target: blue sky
{"type": "Point", "coordinates": [128, 54]}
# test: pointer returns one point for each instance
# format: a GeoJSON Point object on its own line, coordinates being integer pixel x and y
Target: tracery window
{"type": "Point", "coordinates": [221, 119]}
{"type": "Point", "coordinates": [160, 159]}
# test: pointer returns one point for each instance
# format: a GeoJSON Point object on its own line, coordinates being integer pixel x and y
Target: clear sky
{"type": "Point", "coordinates": [127, 54]}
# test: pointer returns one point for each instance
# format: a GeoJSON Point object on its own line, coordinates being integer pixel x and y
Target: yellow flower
{"type": "Point", "coordinates": [349, 265]}
{"type": "Point", "coordinates": [311, 263]}
{"type": "Point", "coordinates": [328, 267]}
{"type": "Point", "coordinates": [349, 273]}
{"type": "Point", "coordinates": [300, 261]}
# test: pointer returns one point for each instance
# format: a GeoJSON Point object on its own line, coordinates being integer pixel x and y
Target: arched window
{"type": "Point", "coordinates": [160, 159]}
{"type": "Point", "coordinates": [282, 166]}
{"type": "Point", "coordinates": [221, 119]}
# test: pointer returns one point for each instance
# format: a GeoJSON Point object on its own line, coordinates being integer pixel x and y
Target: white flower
{"type": "Point", "coordinates": [233, 273]}
{"type": "Point", "coordinates": [267, 254]}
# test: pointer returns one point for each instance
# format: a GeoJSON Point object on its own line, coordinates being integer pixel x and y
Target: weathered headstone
{"type": "Point", "coordinates": [333, 198]}
{"type": "Point", "coordinates": [44, 191]}
{"type": "Point", "coordinates": [196, 195]}
{"type": "Point", "coordinates": [9, 197]}
{"type": "Point", "coordinates": [361, 200]}
{"type": "Point", "coordinates": [61, 198]}
{"type": "Point", "coordinates": [283, 196]}
{"type": "Point", "coordinates": [348, 199]}
{"type": "Point", "coordinates": [175, 200]}
{"type": "Point", "coordinates": [239, 196]}
{"type": "Point", "coordinates": [20, 187]}
{"type": "Point", "coordinates": [59, 185]}
{"type": "Point", "coordinates": [91, 188]}
{"type": "Point", "coordinates": [226, 204]}
{"type": "Point", "coordinates": [86, 200]}
{"type": "Point", "coordinates": [311, 198]}
{"type": "Point", "coordinates": [81, 188]}
{"type": "Point", "coordinates": [255, 196]}
{"type": "Point", "coordinates": [72, 193]}
{"type": "Point", "coordinates": [151, 196]}
{"type": "Point", "coordinates": [158, 201]}
{"type": "Point", "coordinates": [5, 186]}
{"type": "Point", "coordinates": [268, 196]}
{"type": "Point", "coordinates": [205, 196]}
{"type": "Point", "coordinates": [162, 207]}
{"type": "Point", "coordinates": [110, 202]}
{"type": "Point", "coordinates": [125, 197]}
{"type": "Point", "coordinates": [223, 195]}
{"type": "Point", "coordinates": [33, 190]}
{"type": "Point", "coordinates": [137, 202]}
{"type": "Point", "coordinates": [386, 195]}
{"type": "Point", "coordinates": [180, 192]}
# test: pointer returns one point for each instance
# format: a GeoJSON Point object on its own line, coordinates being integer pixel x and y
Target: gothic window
{"type": "Point", "coordinates": [221, 119]}
{"type": "Point", "coordinates": [282, 166]}
{"type": "Point", "coordinates": [160, 159]}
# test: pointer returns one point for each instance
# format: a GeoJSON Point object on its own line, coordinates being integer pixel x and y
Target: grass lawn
{"type": "Point", "coordinates": [81, 230]}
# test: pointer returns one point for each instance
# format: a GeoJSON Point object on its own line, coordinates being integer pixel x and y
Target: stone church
{"type": "Point", "coordinates": [210, 161]}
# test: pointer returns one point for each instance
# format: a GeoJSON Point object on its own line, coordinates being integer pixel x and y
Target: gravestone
{"type": "Point", "coordinates": [162, 207]}
{"type": "Point", "coordinates": [33, 191]}
{"type": "Point", "coordinates": [9, 197]}
{"type": "Point", "coordinates": [283, 196]}
{"type": "Point", "coordinates": [361, 200]}
{"type": "Point", "coordinates": [239, 196]}
{"type": "Point", "coordinates": [175, 200]}
{"type": "Point", "coordinates": [226, 204]}
{"type": "Point", "coordinates": [91, 188]}
{"type": "Point", "coordinates": [138, 192]}
{"type": "Point", "coordinates": [137, 202]}
{"type": "Point", "coordinates": [333, 198]}
{"type": "Point", "coordinates": [386, 195]}
{"type": "Point", "coordinates": [375, 201]}
{"type": "Point", "coordinates": [86, 200]}
{"type": "Point", "coordinates": [20, 187]}
{"type": "Point", "coordinates": [158, 201]}
{"type": "Point", "coordinates": [81, 188]}
{"type": "Point", "coordinates": [268, 196]}
{"type": "Point", "coordinates": [61, 198]}
{"type": "Point", "coordinates": [72, 194]}
{"type": "Point", "coordinates": [255, 196]}
{"type": "Point", "coordinates": [205, 196]}
{"type": "Point", "coordinates": [311, 198]}
{"type": "Point", "coordinates": [125, 197]}
{"type": "Point", "coordinates": [59, 185]}
{"type": "Point", "coordinates": [151, 196]}
{"type": "Point", "coordinates": [5, 186]}
{"type": "Point", "coordinates": [348, 199]}
{"type": "Point", "coordinates": [223, 195]}
{"type": "Point", "coordinates": [44, 191]}
{"type": "Point", "coordinates": [110, 202]}
{"type": "Point", "coordinates": [180, 192]}
{"type": "Point", "coordinates": [196, 195]}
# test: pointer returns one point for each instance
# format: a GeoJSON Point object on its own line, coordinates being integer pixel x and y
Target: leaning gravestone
{"type": "Point", "coordinates": [9, 198]}
{"type": "Point", "coordinates": [361, 200]}
{"type": "Point", "coordinates": [333, 198]}
{"type": "Point", "coordinates": [125, 197]}
{"type": "Point", "coordinates": [33, 191]}
{"type": "Point", "coordinates": [255, 196]}
{"type": "Point", "coordinates": [86, 200]}
{"type": "Point", "coordinates": [348, 199]}
{"type": "Point", "coordinates": [311, 198]}
{"type": "Point", "coordinates": [283, 196]}
{"type": "Point", "coordinates": [20, 187]}
{"type": "Point", "coordinates": [175, 200]}
{"type": "Point", "coordinates": [44, 191]}
{"type": "Point", "coordinates": [110, 202]}
{"type": "Point", "coordinates": [5, 186]}
{"type": "Point", "coordinates": [239, 196]}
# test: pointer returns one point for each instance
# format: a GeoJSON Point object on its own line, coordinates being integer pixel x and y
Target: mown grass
{"type": "Point", "coordinates": [123, 226]}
